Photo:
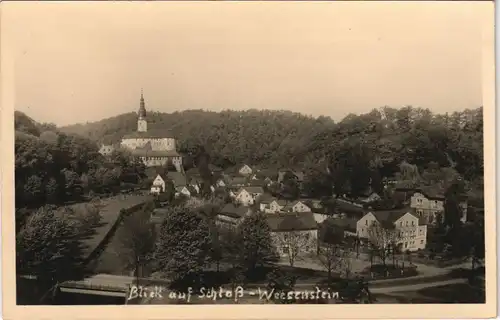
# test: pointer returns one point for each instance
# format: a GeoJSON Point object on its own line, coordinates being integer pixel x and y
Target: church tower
{"type": "Point", "coordinates": [142, 124]}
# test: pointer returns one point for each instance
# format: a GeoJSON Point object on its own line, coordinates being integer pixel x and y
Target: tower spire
{"type": "Point", "coordinates": [142, 106]}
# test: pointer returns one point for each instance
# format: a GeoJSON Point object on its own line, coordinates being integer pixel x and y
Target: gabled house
{"type": "Point", "coordinates": [159, 184]}
{"type": "Point", "coordinates": [220, 182]}
{"type": "Point", "coordinates": [232, 215]}
{"type": "Point", "coordinates": [247, 195]}
{"type": "Point", "coordinates": [287, 228]}
{"type": "Point", "coordinates": [272, 205]}
{"type": "Point", "coordinates": [429, 205]}
{"type": "Point", "coordinates": [407, 230]}
{"type": "Point", "coordinates": [106, 150]}
{"type": "Point", "coordinates": [296, 206]}
{"type": "Point", "coordinates": [182, 190]}
{"type": "Point", "coordinates": [245, 170]}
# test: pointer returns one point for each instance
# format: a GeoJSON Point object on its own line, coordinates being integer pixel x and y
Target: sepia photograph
{"type": "Point", "coordinates": [283, 153]}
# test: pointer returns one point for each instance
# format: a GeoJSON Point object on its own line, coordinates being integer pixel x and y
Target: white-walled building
{"type": "Point", "coordinates": [408, 230]}
{"type": "Point", "coordinates": [288, 229]}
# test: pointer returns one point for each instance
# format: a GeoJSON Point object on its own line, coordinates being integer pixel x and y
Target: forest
{"type": "Point", "coordinates": [356, 151]}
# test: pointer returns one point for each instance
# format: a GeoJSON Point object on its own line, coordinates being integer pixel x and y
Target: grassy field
{"type": "Point", "coordinates": [109, 208]}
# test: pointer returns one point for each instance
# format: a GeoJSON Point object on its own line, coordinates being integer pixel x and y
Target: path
{"type": "Point", "coordinates": [415, 287]}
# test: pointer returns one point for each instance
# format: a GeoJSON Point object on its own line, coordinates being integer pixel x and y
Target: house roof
{"type": "Point", "coordinates": [257, 183]}
{"type": "Point", "coordinates": [233, 211]}
{"type": "Point", "coordinates": [253, 189]}
{"type": "Point", "coordinates": [195, 180]}
{"type": "Point", "coordinates": [193, 172]}
{"type": "Point", "coordinates": [348, 224]}
{"type": "Point", "coordinates": [237, 180]}
{"type": "Point", "coordinates": [150, 134]}
{"type": "Point", "coordinates": [180, 188]}
{"type": "Point", "coordinates": [290, 205]}
{"type": "Point", "coordinates": [178, 178]}
{"type": "Point", "coordinates": [154, 153]}
{"type": "Point", "coordinates": [349, 208]}
{"type": "Point", "coordinates": [153, 172]}
{"type": "Point", "coordinates": [266, 173]}
{"type": "Point", "coordinates": [388, 217]}
{"type": "Point", "coordinates": [431, 192]}
{"type": "Point", "coordinates": [267, 198]}
{"type": "Point", "coordinates": [291, 222]}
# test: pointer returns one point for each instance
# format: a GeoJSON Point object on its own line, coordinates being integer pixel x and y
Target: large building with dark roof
{"type": "Point", "coordinates": [153, 147]}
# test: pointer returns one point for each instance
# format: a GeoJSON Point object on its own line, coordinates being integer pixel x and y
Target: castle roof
{"type": "Point", "coordinates": [154, 153]}
{"type": "Point", "coordinates": [150, 134]}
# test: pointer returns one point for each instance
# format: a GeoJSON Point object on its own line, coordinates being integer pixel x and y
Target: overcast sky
{"type": "Point", "coordinates": [78, 62]}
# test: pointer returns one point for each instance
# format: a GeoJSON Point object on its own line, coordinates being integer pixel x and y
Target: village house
{"type": "Point", "coordinates": [245, 170]}
{"type": "Point", "coordinates": [296, 206]}
{"type": "Point", "coordinates": [183, 190]}
{"type": "Point", "coordinates": [232, 215]}
{"type": "Point", "coordinates": [220, 183]}
{"type": "Point", "coordinates": [406, 229]}
{"type": "Point", "coordinates": [248, 195]}
{"type": "Point", "coordinates": [429, 206]}
{"type": "Point", "coordinates": [159, 184]}
{"type": "Point", "coordinates": [272, 205]}
{"type": "Point", "coordinates": [106, 150]}
{"type": "Point", "coordinates": [287, 228]}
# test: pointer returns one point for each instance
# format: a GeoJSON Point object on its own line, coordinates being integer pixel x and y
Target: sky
{"type": "Point", "coordinates": [78, 62]}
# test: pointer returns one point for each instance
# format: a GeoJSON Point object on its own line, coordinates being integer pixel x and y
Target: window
{"type": "Point", "coordinates": [401, 223]}
{"type": "Point", "coordinates": [421, 241]}
{"type": "Point", "coordinates": [366, 222]}
{"type": "Point", "coordinates": [407, 223]}
{"type": "Point", "coordinates": [413, 223]}
{"type": "Point", "coordinates": [406, 244]}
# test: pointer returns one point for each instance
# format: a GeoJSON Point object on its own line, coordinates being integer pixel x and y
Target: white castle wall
{"type": "Point", "coordinates": [156, 144]}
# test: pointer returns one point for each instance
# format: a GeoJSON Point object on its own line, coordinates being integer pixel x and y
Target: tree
{"type": "Point", "coordinates": [381, 239]}
{"type": "Point", "coordinates": [290, 188]}
{"type": "Point", "coordinates": [295, 242]}
{"type": "Point", "coordinates": [183, 246]}
{"type": "Point", "coordinates": [137, 241]}
{"type": "Point", "coordinates": [256, 243]}
{"type": "Point", "coordinates": [48, 247]}
{"type": "Point", "coordinates": [280, 284]}
{"type": "Point", "coordinates": [330, 255]}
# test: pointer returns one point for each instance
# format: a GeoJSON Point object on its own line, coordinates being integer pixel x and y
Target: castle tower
{"type": "Point", "coordinates": [142, 124]}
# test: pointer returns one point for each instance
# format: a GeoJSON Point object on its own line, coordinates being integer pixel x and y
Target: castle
{"type": "Point", "coordinates": [153, 147]}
